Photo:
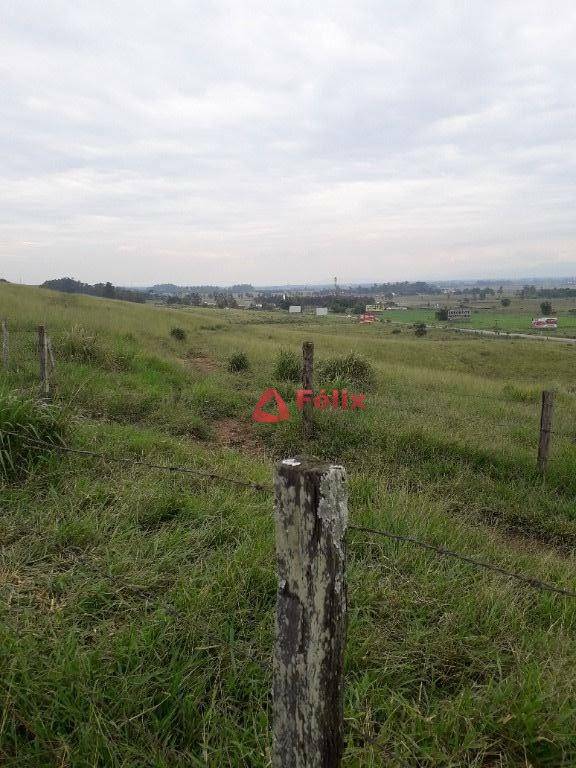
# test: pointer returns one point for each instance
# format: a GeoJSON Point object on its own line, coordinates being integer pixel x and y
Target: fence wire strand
{"type": "Point", "coordinates": [530, 581]}
{"type": "Point", "coordinates": [442, 551]}
{"type": "Point", "coordinates": [138, 462]}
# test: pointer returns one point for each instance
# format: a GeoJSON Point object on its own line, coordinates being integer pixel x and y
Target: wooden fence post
{"type": "Point", "coordinates": [43, 357]}
{"type": "Point", "coordinates": [307, 383]}
{"type": "Point", "coordinates": [545, 429]}
{"type": "Point", "coordinates": [5, 344]}
{"type": "Point", "coordinates": [311, 518]}
{"type": "Point", "coordinates": [50, 353]}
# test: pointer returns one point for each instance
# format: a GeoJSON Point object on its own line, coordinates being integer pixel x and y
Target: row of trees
{"type": "Point", "coordinates": [531, 292]}
{"type": "Point", "coordinates": [104, 290]}
{"type": "Point", "coordinates": [405, 288]}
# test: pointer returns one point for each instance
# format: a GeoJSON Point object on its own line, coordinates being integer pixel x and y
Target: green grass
{"type": "Point", "coordinates": [136, 606]}
{"type": "Point", "coordinates": [510, 320]}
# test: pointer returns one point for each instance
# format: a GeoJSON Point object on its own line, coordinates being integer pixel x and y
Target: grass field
{"type": "Point", "coordinates": [490, 315]}
{"type": "Point", "coordinates": [137, 606]}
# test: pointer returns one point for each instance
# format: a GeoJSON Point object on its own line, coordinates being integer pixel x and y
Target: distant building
{"type": "Point", "coordinates": [383, 306]}
{"type": "Point", "coordinates": [321, 311]}
{"type": "Point", "coordinates": [459, 313]}
{"type": "Point", "coordinates": [545, 322]}
{"type": "Point", "coordinates": [367, 318]}
{"type": "Point", "coordinates": [294, 309]}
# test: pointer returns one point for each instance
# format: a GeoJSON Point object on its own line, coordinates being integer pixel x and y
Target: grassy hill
{"type": "Point", "coordinates": [137, 605]}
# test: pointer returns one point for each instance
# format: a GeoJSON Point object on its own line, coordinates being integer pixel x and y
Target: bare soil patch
{"type": "Point", "coordinates": [236, 433]}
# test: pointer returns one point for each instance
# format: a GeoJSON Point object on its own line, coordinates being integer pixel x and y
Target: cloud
{"type": "Point", "coordinates": [275, 141]}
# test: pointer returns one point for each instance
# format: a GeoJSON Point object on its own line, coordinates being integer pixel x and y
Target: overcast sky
{"type": "Point", "coordinates": [282, 141]}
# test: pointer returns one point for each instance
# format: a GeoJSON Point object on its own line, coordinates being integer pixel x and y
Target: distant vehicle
{"type": "Point", "coordinates": [366, 318]}
{"type": "Point", "coordinates": [545, 322]}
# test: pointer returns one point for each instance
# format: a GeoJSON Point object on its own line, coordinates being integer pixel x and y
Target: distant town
{"type": "Point", "coordinates": [332, 297]}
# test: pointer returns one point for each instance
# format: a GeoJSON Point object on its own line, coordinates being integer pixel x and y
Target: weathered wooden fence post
{"type": "Point", "coordinates": [50, 353]}
{"type": "Point", "coordinates": [311, 519]}
{"type": "Point", "coordinates": [43, 357]}
{"type": "Point", "coordinates": [5, 344]}
{"type": "Point", "coordinates": [307, 383]}
{"type": "Point", "coordinates": [545, 429]}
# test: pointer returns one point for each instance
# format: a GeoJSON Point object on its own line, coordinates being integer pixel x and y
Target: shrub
{"type": "Point", "coordinates": [349, 368]}
{"type": "Point", "coordinates": [505, 302]}
{"type": "Point", "coordinates": [23, 420]}
{"type": "Point", "coordinates": [420, 329]}
{"type": "Point", "coordinates": [238, 362]}
{"type": "Point", "coordinates": [287, 367]}
{"type": "Point", "coordinates": [77, 344]}
{"type": "Point", "coordinates": [178, 333]}
{"type": "Point", "coordinates": [442, 314]}
{"type": "Point", "coordinates": [336, 436]}
{"type": "Point", "coordinates": [546, 307]}
{"type": "Point", "coordinates": [396, 330]}
{"type": "Point", "coordinates": [83, 347]}
{"type": "Point", "coordinates": [520, 394]}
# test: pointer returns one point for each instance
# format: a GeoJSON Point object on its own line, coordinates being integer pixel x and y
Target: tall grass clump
{"type": "Point", "coordinates": [287, 366]}
{"type": "Point", "coordinates": [80, 345]}
{"type": "Point", "coordinates": [238, 362]}
{"type": "Point", "coordinates": [23, 421]}
{"type": "Point", "coordinates": [345, 370]}
{"type": "Point", "coordinates": [178, 333]}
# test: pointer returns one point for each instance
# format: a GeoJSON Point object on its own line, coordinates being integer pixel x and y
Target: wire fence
{"type": "Point", "coordinates": [21, 354]}
{"type": "Point", "coordinates": [208, 475]}
{"type": "Point", "coordinates": [31, 349]}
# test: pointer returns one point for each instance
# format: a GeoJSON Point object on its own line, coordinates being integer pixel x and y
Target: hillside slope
{"type": "Point", "coordinates": [137, 605]}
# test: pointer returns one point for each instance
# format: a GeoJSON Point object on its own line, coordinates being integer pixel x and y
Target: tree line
{"type": "Point", "coordinates": [104, 290]}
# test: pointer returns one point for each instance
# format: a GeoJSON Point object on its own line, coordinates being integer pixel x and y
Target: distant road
{"type": "Point", "coordinates": [508, 335]}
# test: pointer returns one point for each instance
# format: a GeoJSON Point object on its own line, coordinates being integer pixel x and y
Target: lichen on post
{"type": "Point", "coordinates": [311, 520]}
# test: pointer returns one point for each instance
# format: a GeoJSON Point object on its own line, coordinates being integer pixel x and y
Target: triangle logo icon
{"type": "Point", "coordinates": [262, 416]}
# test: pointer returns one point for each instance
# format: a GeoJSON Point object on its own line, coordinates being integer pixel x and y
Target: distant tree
{"type": "Point", "coordinates": [505, 302]}
{"type": "Point", "coordinates": [337, 304]}
{"type": "Point", "coordinates": [178, 333]}
{"type": "Point", "coordinates": [224, 300]}
{"type": "Point", "coordinates": [485, 292]}
{"type": "Point", "coordinates": [69, 285]}
{"type": "Point", "coordinates": [546, 308]}
{"type": "Point", "coordinates": [107, 290]}
{"type": "Point", "coordinates": [442, 314]}
{"type": "Point", "coordinates": [420, 329]}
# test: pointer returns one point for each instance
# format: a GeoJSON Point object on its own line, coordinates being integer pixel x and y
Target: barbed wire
{"type": "Point", "coordinates": [529, 580]}
{"type": "Point", "coordinates": [150, 465]}
{"type": "Point", "coordinates": [442, 551]}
